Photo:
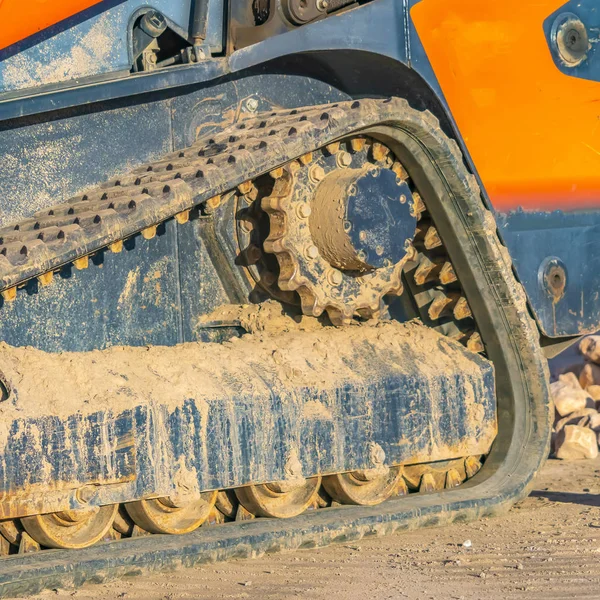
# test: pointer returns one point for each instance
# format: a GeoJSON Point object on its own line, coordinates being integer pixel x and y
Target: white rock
{"type": "Point", "coordinates": [568, 396]}
{"type": "Point", "coordinates": [590, 347]}
{"type": "Point", "coordinates": [589, 375]}
{"type": "Point", "coordinates": [580, 417]}
{"type": "Point", "coordinates": [576, 443]}
{"type": "Point", "coordinates": [467, 544]}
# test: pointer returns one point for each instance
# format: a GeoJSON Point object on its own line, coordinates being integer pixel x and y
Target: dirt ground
{"type": "Point", "coordinates": [547, 547]}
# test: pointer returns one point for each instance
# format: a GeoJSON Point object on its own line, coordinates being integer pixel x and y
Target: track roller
{"type": "Point", "coordinates": [365, 488]}
{"type": "Point", "coordinates": [168, 515]}
{"type": "Point", "coordinates": [279, 500]}
{"type": "Point", "coordinates": [71, 528]}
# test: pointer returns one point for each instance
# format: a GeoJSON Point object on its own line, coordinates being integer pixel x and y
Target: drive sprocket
{"type": "Point", "coordinates": [342, 220]}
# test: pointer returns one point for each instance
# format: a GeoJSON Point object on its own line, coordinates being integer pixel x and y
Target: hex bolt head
{"type": "Point", "coordinates": [85, 494]}
{"type": "Point", "coordinates": [316, 173]}
{"type": "Point", "coordinates": [343, 159]}
{"type": "Point", "coordinates": [251, 104]}
{"type": "Point", "coordinates": [334, 277]}
{"type": "Point", "coordinates": [303, 210]}
{"type": "Point", "coordinates": [311, 252]}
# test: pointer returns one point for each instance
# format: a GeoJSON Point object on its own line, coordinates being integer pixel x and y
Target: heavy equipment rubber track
{"type": "Point", "coordinates": [456, 235]}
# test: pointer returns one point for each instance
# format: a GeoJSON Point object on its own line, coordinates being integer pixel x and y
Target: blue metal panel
{"type": "Point", "coordinates": [95, 42]}
{"type": "Point", "coordinates": [248, 427]}
{"type": "Point", "coordinates": [572, 238]}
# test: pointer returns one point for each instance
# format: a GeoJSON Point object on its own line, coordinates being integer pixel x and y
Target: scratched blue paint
{"type": "Point", "coordinates": [241, 436]}
{"type": "Point", "coordinates": [93, 46]}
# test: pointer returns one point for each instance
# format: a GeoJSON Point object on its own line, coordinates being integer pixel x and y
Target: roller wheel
{"type": "Point", "coordinates": [361, 487]}
{"type": "Point", "coordinates": [71, 529]}
{"type": "Point", "coordinates": [163, 515]}
{"type": "Point", "coordinates": [270, 500]}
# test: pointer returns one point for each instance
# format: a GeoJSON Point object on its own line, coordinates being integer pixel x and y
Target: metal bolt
{"type": "Point", "coordinates": [312, 252]}
{"type": "Point", "coordinates": [334, 277]}
{"type": "Point", "coordinates": [151, 57]}
{"type": "Point", "coordinates": [343, 159]}
{"type": "Point", "coordinates": [316, 174]}
{"type": "Point", "coordinates": [251, 104]}
{"type": "Point", "coordinates": [322, 5]}
{"type": "Point", "coordinates": [403, 199]}
{"type": "Point", "coordinates": [85, 494]}
{"type": "Point", "coordinates": [303, 210]}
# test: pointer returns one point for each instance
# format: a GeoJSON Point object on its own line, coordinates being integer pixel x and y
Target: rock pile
{"type": "Point", "coordinates": [576, 396]}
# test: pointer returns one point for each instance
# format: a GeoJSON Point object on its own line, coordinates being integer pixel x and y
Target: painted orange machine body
{"type": "Point", "coordinates": [532, 131]}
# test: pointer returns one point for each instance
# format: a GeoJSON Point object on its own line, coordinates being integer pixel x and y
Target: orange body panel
{"type": "Point", "coordinates": [532, 131]}
{"type": "Point", "coordinates": [22, 18]}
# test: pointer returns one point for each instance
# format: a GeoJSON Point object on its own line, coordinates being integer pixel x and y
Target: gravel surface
{"type": "Point", "coordinates": [547, 547]}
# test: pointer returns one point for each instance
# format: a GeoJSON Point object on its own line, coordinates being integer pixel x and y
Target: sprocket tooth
{"type": "Point", "coordinates": [432, 238]}
{"type": "Point", "coordinates": [462, 310]}
{"type": "Point", "coordinates": [338, 316]}
{"type": "Point", "coordinates": [428, 270]}
{"type": "Point", "coordinates": [427, 483]}
{"type": "Point", "coordinates": [472, 466]}
{"type": "Point", "coordinates": [447, 274]}
{"type": "Point", "coordinates": [442, 305]}
{"type": "Point", "coordinates": [475, 343]}
{"type": "Point", "coordinates": [401, 488]}
{"type": "Point", "coordinates": [418, 205]}
{"type": "Point", "coordinates": [308, 302]}
{"type": "Point", "coordinates": [453, 479]}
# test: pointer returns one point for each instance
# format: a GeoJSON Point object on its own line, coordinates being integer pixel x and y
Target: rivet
{"type": "Point", "coordinates": [304, 210]}
{"type": "Point", "coordinates": [347, 226]}
{"type": "Point", "coordinates": [362, 256]}
{"type": "Point", "coordinates": [312, 252]}
{"type": "Point", "coordinates": [403, 199]}
{"type": "Point", "coordinates": [251, 104]}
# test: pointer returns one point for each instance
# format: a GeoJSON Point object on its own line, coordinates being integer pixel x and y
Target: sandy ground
{"type": "Point", "coordinates": [547, 547]}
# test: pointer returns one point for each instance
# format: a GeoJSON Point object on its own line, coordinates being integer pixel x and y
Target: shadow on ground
{"type": "Point", "coordinates": [568, 497]}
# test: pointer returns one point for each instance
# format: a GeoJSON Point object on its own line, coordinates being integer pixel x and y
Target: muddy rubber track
{"type": "Point", "coordinates": [183, 180]}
